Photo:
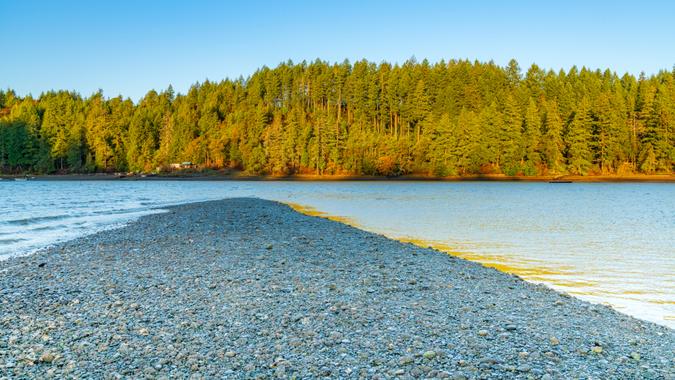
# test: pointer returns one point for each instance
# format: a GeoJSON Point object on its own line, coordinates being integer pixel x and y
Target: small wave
{"type": "Point", "coordinates": [47, 228]}
{"type": "Point", "coordinates": [37, 219]}
{"type": "Point", "coordinates": [118, 211]}
{"type": "Point", "coordinates": [11, 241]}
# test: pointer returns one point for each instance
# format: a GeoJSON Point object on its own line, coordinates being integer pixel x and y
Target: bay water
{"type": "Point", "coordinates": [610, 243]}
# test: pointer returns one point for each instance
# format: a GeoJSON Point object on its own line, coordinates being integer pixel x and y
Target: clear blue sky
{"type": "Point", "coordinates": [128, 47]}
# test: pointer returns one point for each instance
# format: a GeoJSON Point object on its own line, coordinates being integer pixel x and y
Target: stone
{"type": "Point", "coordinates": [596, 349]}
{"type": "Point", "coordinates": [47, 357]}
{"type": "Point", "coordinates": [230, 354]}
{"type": "Point", "coordinates": [429, 355]}
{"type": "Point", "coordinates": [554, 341]}
{"type": "Point", "coordinates": [124, 348]}
{"type": "Point", "coordinates": [483, 332]}
{"type": "Point", "coordinates": [405, 360]}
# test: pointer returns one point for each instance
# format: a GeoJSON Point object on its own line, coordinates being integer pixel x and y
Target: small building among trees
{"type": "Point", "coordinates": [182, 165]}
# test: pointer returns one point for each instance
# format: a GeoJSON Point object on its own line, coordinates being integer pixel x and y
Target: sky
{"type": "Point", "coordinates": [129, 47]}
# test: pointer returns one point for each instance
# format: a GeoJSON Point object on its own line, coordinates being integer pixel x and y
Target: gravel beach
{"type": "Point", "coordinates": [248, 288]}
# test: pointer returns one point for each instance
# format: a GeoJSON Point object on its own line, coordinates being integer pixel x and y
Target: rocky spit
{"type": "Point", "coordinates": [247, 288]}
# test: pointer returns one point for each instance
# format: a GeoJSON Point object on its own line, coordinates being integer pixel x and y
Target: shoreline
{"type": "Point", "coordinates": [236, 176]}
{"type": "Point", "coordinates": [526, 270]}
{"type": "Point", "coordinates": [245, 287]}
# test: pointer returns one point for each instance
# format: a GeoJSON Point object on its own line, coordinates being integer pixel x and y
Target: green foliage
{"type": "Point", "coordinates": [531, 140]}
{"type": "Point", "coordinates": [449, 118]}
{"type": "Point", "coordinates": [579, 154]}
{"type": "Point", "coordinates": [553, 144]}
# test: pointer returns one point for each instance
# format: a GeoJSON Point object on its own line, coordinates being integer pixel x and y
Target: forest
{"type": "Point", "coordinates": [454, 117]}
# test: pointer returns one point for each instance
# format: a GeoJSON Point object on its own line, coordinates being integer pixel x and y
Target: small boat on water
{"type": "Point", "coordinates": [21, 179]}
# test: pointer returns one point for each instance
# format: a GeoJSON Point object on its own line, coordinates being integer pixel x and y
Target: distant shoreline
{"type": "Point", "coordinates": [237, 176]}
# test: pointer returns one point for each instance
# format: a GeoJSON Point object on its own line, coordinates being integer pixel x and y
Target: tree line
{"type": "Point", "coordinates": [449, 118]}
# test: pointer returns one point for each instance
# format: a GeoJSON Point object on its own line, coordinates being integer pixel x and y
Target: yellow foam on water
{"type": "Point", "coordinates": [531, 270]}
{"type": "Point", "coordinates": [311, 211]}
{"type": "Point", "coordinates": [523, 268]}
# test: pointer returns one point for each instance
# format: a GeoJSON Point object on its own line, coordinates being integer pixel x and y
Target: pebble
{"type": "Point", "coordinates": [405, 360]}
{"type": "Point", "coordinates": [47, 357]}
{"type": "Point", "coordinates": [429, 355]}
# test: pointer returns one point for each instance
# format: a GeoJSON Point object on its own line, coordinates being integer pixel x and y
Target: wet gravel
{"type": "Point", "coordinates": [247, 288]}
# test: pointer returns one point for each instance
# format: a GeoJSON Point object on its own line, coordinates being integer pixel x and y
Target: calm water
{"type": "Point", "coordinates": [607, 243]}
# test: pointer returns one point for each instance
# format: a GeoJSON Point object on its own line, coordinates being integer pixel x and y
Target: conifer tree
{"type": "Point", "coordinates": [510, 136]}
{"type": "Point", "coordinates": [578, 140]}
{"type": "Point", "coordinates": [553, 142]}
{"type": "Point", "coordinates": [532, 134]}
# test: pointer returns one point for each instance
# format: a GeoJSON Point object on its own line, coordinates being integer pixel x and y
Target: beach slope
{"type": "Point", "coordinates": [245, 288]}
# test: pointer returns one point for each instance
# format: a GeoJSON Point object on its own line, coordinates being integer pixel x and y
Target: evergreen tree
{"type": "Point", "coordinates": [532, 134]}
{"type": "Point", "coordinates": [578, 140]}
{"type": "Point", "coordinates": [553, 142]}
{"type": "Point", "coordinates": [510, 137]}
{"type": "Point", "coordinates": [442, 144]}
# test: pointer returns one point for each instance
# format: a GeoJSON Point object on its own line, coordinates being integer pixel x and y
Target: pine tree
{"type": "Point", "coordinates": [510, 137]}
{"type": "Point", "coordinates": [443, 142]}
{"type": "Point", "coordinates": [471, 151]}
{"type": "Point", "coordinates": [578, 140]}
{"type": "Point", "coordinates": [553, 142]}
{"type": "Point", "coordinates": [532, 134]}
{"type": "Point", "coordinates": [657, 153]}
{"type": "Point", "coordinates": [607, 135]}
